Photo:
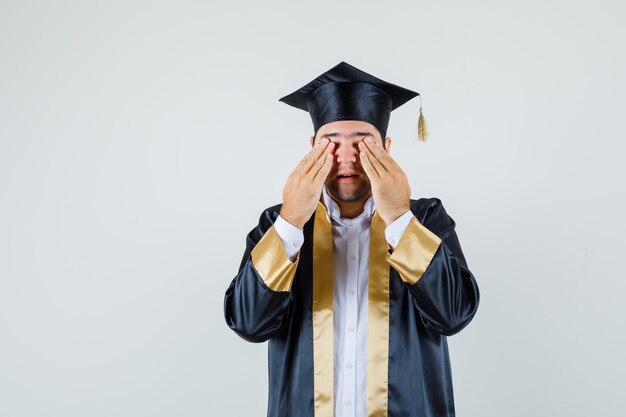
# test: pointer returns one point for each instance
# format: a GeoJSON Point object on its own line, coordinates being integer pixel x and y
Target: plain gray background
{"type": "Point", "coordinates": [140, 141]}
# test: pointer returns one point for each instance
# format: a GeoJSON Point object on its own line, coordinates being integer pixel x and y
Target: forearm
{"type": "Point", "coordinates": [434, 270]}
{"type": "Point", "coordinates": [256, 302]}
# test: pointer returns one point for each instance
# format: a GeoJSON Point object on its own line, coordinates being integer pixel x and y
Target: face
{"type": "Point", "coordinates": [347, 181]}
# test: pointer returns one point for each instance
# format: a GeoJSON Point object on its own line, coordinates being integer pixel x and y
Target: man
{"type": "Point", "coordinates": [354, 284]}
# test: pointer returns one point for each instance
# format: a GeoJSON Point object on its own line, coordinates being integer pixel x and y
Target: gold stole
{"type": "Point", "coordinates": [378, 317]}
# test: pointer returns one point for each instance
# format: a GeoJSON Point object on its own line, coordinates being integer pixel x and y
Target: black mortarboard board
{"type": "Point", "coordinates": [346, 93]}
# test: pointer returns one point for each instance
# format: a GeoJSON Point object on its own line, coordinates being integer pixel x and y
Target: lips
{"type": "Point", "coordinates": [346, 174]}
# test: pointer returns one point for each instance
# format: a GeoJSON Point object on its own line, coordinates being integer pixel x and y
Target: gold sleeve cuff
{"type": "Point", "coordinates": [270, 260]}
{"type": "Point", "coordinates": [414, 251]}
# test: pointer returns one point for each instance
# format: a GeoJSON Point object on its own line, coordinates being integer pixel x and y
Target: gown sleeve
{"type": "Point", "coordinates": [430, 261]}
{"type": "Point", "coordinates": [257, 300]}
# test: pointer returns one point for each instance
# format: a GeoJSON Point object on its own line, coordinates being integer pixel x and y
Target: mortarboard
{"type": "Point", "coordinates": [346, 93]}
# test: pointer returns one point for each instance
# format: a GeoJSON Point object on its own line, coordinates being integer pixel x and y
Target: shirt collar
{"type": "Point", "coordinates": [335, 213]}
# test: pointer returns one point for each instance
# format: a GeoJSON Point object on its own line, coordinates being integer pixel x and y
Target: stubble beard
{"type": "Point", "coordinates": [349, 193]}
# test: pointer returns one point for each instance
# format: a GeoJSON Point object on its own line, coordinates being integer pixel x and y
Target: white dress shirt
{"type": "Point", "coordinates": [351, 239]}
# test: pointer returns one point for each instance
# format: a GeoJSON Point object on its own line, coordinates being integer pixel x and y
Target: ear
{"type": "Point", "coordinates": [388, 144]}
{"type": "Point", "coordinates": [311, 140]}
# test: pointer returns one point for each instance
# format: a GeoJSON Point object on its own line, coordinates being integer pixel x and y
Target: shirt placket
{"type": "Point", "coordinates": [350, 352]}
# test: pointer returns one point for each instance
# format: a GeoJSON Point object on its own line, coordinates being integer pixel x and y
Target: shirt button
{"type": "Point", "coordinates": [350, 329]}
{"type": "Point", "coordinates": [295, 243]}
{"type": "Point", "coordinates": [351, 226]}
{"type": "Point", "coordinates": [351, 292]}
{"type": "Point", "coordinates": [348, 403]}
{"type": "Point", "coordinates": [393, 241]}
{"type": "Point", "coordinates": [349, 366]}
{"type": "Point", "coordinates": [352, 257]}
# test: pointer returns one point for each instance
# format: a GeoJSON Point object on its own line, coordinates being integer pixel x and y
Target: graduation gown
{"type": "Point", "coordinates": [418, 294]}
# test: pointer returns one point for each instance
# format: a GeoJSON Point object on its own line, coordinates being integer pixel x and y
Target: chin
{"type": "Point", "coordinates": [348, 193]}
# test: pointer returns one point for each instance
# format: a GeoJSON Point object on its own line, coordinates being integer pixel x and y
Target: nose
{"type": "Point", "coordinates": [346, 152]}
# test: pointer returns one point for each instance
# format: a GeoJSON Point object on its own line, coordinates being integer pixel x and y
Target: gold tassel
{"type": "Point", "coordinates": [422, 127]}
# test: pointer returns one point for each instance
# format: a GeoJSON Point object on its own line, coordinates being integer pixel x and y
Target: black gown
{"type": "Point", "coordinates": [418, 293]}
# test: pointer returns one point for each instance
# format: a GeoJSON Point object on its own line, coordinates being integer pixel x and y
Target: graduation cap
{"type": "Point", "coordinates": [345, 92]}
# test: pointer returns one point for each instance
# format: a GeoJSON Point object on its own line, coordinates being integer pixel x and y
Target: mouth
{"type": "Point", "coordinates": [347, 178]}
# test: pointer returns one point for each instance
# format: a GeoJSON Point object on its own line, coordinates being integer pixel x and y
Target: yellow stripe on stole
{"type": "Point", "coordinates": [377, 321]}
{"type": "Point", "coordinates": [323, 342]}
{"type": "Point", "coordinates": [414, 251]}
{"type": "Point", "coordinates": [270, 260]}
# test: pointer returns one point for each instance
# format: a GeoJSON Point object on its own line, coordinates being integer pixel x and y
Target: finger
{"type": "Point", "coordinates": [387, 162]}
{"type": "Point", "coordinates": [391, 163]}
{"type": "Point", "coordinates": [319, 156]}
{"type": "Point", "coordinates": [372, 159]}
{"type": "Point", "coordinates": [367, 166]}
{"type": "Point", "coordinates": [323, 172]}
{"type": "Point", "coordinates": [321, 160]}
{"type": "Point", "coordinates": [380, 155]}
{"type": "Point", "coordinates": [313, 155]}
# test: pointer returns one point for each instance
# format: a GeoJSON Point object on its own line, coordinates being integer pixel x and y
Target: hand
{"type": "Point", "coordinates": [304, 185]}
{"type": "Point", "coordinates": [390, 186]}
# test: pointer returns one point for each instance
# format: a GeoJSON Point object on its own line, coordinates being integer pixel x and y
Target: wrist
{"type": "Point", "coordinates": [292, 219]}
{"type": "Point", "coordinates": [390, 218]}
